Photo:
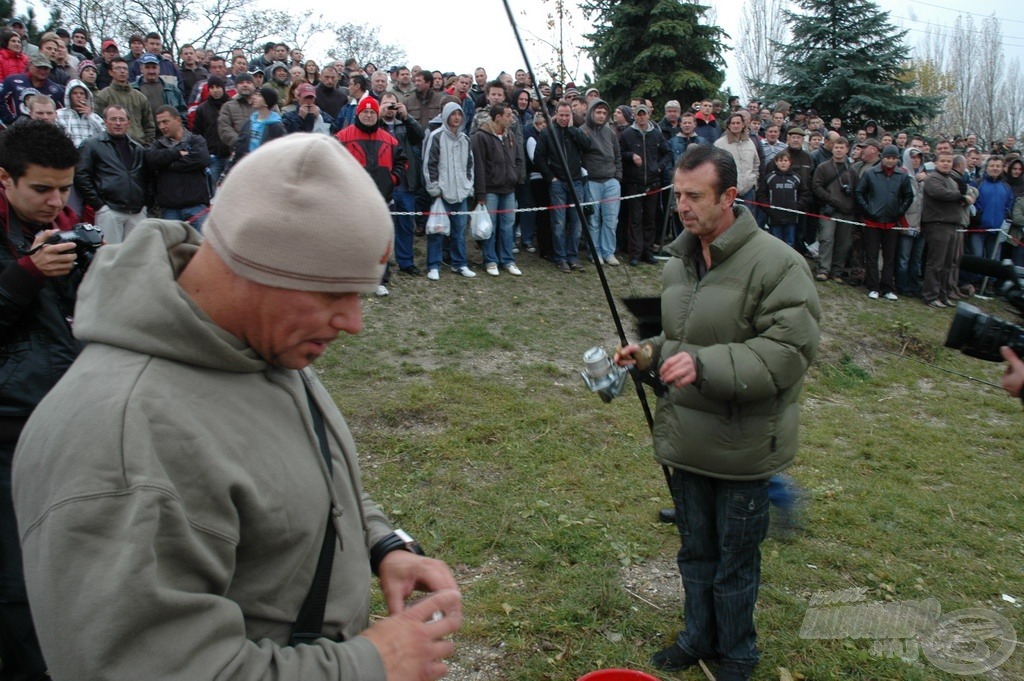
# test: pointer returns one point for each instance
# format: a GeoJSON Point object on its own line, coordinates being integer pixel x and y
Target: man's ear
{"type": "Point", "coordinates": [5, 179]}
{"type": "Point", "coordinates": [729, 195]}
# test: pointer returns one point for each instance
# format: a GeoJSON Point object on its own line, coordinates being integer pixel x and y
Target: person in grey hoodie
{"type": "Point", "coordinates": [198, 461]}
{"type": "Point", "coordinates": [448, 172]}
{"type": "Point", "coordinates": [603, 163]}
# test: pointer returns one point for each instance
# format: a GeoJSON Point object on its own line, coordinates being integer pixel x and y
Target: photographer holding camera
{"type": "Point", "coordinates": [37, 300]}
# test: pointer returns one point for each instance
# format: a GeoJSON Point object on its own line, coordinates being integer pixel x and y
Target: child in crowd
{"type": "Point", "coordinates": [782, 189]}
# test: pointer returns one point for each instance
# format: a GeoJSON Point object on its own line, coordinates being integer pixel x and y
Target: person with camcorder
{"type": "Point", "coordinates": [988, 337]}
{"type": "Point", "coordinates": [38, 286]}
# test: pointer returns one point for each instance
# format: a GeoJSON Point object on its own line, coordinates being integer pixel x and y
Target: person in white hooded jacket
{"type": "Point", "coordinates": [80, 122]}
{"type": "Point", "coordinates": [79, 119]}
{"type": "Point", "coordinates": [448, 171]}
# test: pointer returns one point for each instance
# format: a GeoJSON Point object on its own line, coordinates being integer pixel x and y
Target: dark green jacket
{"type": "Point", "coordinates": [751, 325]}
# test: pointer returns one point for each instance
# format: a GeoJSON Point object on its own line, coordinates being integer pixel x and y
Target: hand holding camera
{"type": "Point", "coordinates": [55, 252]}
{"type": "Point", "coordinates": [53, 259]}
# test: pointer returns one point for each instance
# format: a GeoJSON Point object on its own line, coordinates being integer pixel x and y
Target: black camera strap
{"type": "Point", "coordinates": [310, 622]}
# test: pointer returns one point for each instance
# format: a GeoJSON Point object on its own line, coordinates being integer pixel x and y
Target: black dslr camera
{"type": "Point", "coordinates": [977, 334]}
{"type": "Point", "coordinates": [86, 238]}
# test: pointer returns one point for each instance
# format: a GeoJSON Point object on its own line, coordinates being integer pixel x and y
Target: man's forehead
{"type": "Point", "coordinates": [695, 179]}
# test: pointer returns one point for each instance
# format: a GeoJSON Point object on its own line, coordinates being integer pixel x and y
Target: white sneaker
{"type": "Point", "coordinates": [433, 275]}
{"type": "Point", "coordinates": [464, 271]}
{"type": "Point", "coordinates": [611, 260]}
{"type": "Point", "coordinates": [492, 269]}
{"type": "Point", "coordinates": [513, 270]}
{"type": "Point", "coordinates": [891, 296]}
{"type": "Point", "coordinates": [382, 291]}
{"type": "Point", "coordinates": [873, 295]}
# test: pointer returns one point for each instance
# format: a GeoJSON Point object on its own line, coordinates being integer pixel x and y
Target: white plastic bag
{"type": "Point", "coordinates": [480, 225]}
{"type": "Point", "coordinates": [437, 221]}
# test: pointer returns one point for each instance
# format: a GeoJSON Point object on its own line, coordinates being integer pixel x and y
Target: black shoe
{"type": "Point", "coordinates": [411, 270]}
{"type": "Point", "coordinates": [576, 267]}
{"type": "Point", "coordinates": [673, 659]}
{"type": "Point", "coordinates": [651, 260]}
{"type": "Point", "coordinates": [733, 671]}
{"type": "Point", "coordinates": [634, 262]}
{"type": "Point", "coordinates": [667, 515]}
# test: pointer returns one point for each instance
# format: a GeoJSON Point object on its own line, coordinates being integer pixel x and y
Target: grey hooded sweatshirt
{"type": "Point", "coordinates": [603, 160]}
{"type": "Point", "coordinates": [172, 498]}
{"type": "Point", "coordinates": [448, 160]}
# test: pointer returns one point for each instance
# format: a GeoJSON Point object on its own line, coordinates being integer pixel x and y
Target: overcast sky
{"type": "Point", "coordinates": [474, 35]}
{"type": "Point", "coordinates": [459, 37]}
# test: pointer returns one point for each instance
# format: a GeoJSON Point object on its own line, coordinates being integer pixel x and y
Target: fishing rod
{"type": "Point", "coordinates": [574, 199]}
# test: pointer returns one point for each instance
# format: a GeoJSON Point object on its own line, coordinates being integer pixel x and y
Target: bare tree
{"type": "Point", "coordinates": [211, 24]}
{"type": "Point", "coordinates": [361, 43]}
{"type": "Point", "coordinates": [762, 29]}
{"type": "Point", "coordinates": [563, 55]}
{"type": "Point", "coordinates": [1012, 99]}
{"type": "Point", "coordinates": [991, 63]}
{"type": "Point", "coordinates": [963, 66]}
{"type": "Point", "coordinates": [931, 74]}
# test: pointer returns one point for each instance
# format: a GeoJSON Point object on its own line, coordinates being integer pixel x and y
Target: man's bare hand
{"type": "Point", "coordinates": [412, 644]}
{"type": "Point", "coordinates": [679, 370]}
{"type": "Point", "coordinates": [53, 260]}
{"type": "Point", "coordinates": [1013, 379]}
{"type": "Point", "coordinates": [402, 572]}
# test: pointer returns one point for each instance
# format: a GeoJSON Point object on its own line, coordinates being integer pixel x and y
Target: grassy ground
{"type": "Point", "coordinates": [478, 436]}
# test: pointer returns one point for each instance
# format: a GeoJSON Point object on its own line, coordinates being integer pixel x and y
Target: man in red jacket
{"type": "Point", "coordinates": [381, 155]}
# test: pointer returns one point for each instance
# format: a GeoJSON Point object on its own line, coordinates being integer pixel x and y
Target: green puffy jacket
{"type": "Point", "coordinates": [751, 325]}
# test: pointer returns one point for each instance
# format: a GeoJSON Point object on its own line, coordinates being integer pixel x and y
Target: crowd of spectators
{"type": "Point", "coordinates": [832, 189]}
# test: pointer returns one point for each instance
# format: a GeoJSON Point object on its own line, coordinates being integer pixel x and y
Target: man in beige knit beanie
{"type": "Point", "coordinates": [200, 479]}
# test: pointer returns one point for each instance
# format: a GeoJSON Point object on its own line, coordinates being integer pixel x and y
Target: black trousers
{"type": "Point", "coordinates": [884, 240]}
{"type": "Point", "coordinates": [642, 213]}
{"type": "Point", "coordinates": [20, 657]}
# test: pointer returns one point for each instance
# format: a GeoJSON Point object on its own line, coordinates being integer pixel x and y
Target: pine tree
{"type": "Point", "coordinates": [847, 59]}
{"type": "Point", "coordinates": [6, 11]}
{"type": "Point", "coordinates": [657, 49]}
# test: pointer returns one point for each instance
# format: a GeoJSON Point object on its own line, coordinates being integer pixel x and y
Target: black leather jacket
{"type": "Point", "coordinates": [36, 344]}
{"type": "Point", "coordinates": [180, 180]}
{"type": "Point", "coordinates": [103, 180]}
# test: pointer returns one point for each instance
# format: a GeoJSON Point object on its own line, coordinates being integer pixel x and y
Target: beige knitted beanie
{"type": "Point", "coordinates": [300, 213]}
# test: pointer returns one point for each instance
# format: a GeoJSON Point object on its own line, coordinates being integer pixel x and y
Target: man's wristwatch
{"type": "Point", "coordinates": [399, 540]}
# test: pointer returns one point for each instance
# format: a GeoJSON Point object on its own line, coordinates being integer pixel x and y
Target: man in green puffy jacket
{"type": "Point", "coordinates": [740, 328]}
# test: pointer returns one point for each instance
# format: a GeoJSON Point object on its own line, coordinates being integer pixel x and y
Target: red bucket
{"type": "Point", "coordinates": [617, 675]}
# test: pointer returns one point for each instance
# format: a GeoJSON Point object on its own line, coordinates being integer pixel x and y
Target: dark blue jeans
{"type": "Point", "coordinates": [722, 524]}
{"type": "Point", "coordinates": [909, 251]}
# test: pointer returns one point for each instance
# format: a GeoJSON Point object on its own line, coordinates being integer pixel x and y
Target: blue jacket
{"type": "Point", "coordinates": [10, 95]}
{"type": "Point", "coordinates": [995, 201]}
